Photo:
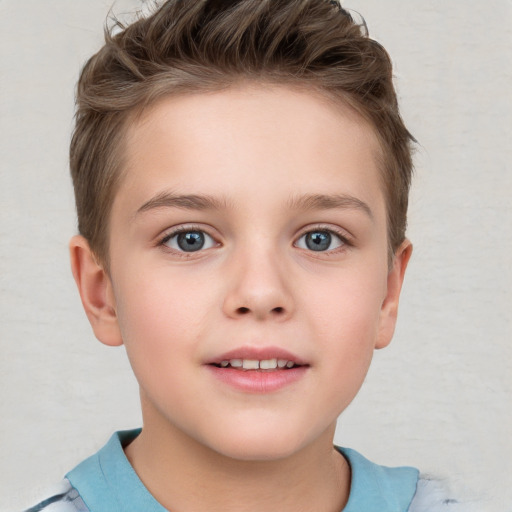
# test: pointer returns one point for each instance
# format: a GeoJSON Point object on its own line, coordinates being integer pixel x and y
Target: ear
{"type": "Point", "coordinates": [95, 288]}
{"type": "Point", "coordinates": [389, 309]}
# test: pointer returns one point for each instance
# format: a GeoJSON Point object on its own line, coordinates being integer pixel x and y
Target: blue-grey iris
{"type": "Point", "coordinates": [318, 240]}
{"type": "Point", "coordinates": [191, 241]}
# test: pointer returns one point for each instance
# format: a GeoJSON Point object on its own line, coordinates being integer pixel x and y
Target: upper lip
{"type": "Point", "coordinates": [258, 354]}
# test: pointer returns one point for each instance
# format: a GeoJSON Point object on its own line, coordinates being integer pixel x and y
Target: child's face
{"type": "Point", "coordinates": [250, 225]}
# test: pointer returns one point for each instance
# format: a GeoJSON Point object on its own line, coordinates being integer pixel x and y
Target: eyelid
{"type": "Point", "coordinates": [343, 235]}
{"type": "Point", "coordinates": [184, 228]}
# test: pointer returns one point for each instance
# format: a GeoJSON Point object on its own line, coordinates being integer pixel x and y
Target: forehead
{"type": "Point", "coordinates": [300, 140]}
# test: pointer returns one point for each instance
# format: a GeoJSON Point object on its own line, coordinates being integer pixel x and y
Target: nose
{"type": "Point", "coordinates": [257, 288]}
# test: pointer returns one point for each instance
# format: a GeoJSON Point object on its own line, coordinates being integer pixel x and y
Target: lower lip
{"type": "Point", "coordinates": [258, 381]}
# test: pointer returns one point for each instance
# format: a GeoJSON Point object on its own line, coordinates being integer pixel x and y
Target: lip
{"type": "Point", "coordinates": [258, 381]}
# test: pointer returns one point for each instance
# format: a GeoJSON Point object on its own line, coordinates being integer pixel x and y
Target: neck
{"type": "Point", "coordinates": [184, 475]}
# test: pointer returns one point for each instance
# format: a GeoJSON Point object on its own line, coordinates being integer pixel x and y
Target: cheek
{"type": "Point", "coordinates": [162, 316]}
{"type": "Point", "coordinates": [348, 305]}
{"type": "Point", "coordinates": [345, 319]}
{"type": "Point", "coordinates": [347, 329]}
{"type": "Point", "coordinates": [162, 327]}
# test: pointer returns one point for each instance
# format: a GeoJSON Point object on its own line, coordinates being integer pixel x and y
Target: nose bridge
{"type": "Point", "coordinates": [258, 281]}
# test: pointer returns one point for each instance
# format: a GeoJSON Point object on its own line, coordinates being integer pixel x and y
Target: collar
{"type": "Point", "coordinates": [378, 488]}
{"type": "Point", "coordinates": [108, 483]}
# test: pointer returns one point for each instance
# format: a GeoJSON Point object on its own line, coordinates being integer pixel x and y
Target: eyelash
{"type": "Point", "coordinates": [176, 232]}
{"type": "Point", "coordinates": [342, 236]}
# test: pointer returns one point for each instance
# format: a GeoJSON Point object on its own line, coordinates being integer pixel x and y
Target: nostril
{"type": "Point", "coordinates": [274, 311]}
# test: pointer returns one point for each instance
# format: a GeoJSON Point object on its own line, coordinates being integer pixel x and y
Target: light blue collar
{"type": "Point", "coordinates": [378, 488]}
{"type": "Point", "coordinates": [108, 483]}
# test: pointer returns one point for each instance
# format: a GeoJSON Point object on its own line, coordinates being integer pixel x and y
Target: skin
{"type": "Point", "coordinates": [258, 152]}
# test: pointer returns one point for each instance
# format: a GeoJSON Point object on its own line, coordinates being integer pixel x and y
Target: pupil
{"type": "Point", "coordinates": [318, 240]}
{"type": "Point", "coordinates": [191, 241]}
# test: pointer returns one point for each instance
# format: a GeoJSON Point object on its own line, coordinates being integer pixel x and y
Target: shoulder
{"type": "Point", "coordinates": [63, 498]}
{"type": "Point", "coordinates": [432, 495]}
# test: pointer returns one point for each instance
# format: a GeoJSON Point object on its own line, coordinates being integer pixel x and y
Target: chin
{"type": "Point", "coordinates": [258, 452]}
{"type": "Point", "coordinates": [257, 444]}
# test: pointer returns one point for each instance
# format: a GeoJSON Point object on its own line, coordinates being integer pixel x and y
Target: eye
{"type": "Point", "coordinates": [320, 240]}
{"type": "Point", "coordinates": [189, 241]}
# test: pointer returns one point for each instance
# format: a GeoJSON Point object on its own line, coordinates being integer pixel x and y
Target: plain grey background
{"type": "Point", "coordinates": [438, 398]}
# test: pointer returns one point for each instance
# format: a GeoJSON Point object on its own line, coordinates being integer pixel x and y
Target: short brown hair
{"type": "Point", "coordinates": [204, 45]}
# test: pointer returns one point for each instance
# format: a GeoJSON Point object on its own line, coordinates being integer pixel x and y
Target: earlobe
{"type": "Point", "coordinates": [95, 288]}
{"type": "Point", "coordinates": [389, 310]}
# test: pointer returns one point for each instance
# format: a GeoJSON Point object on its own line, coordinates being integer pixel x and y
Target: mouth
{"type": "Point", "coordinates": [258, 370]}
{"type": "Point", "coordinates": [249, 358]}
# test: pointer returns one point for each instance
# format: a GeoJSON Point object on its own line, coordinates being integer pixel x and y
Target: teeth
{"type": "Point", "coordinates": [250, 364]}
{"type": "Point", "coordinates": [254, 364]}
{"type": "Point", "coordinates": [268, 364]}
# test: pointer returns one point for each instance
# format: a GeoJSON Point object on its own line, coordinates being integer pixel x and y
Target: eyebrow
{"type": "Point", "coordinates": [186, 202]}
{"type": "Point", "coordinates": [304, 202]}
{"type": "Point", "coordinates": [329, 202]}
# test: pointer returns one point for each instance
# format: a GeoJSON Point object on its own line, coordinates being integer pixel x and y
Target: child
{"type": "Point", "coordinates": [241, 175]}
